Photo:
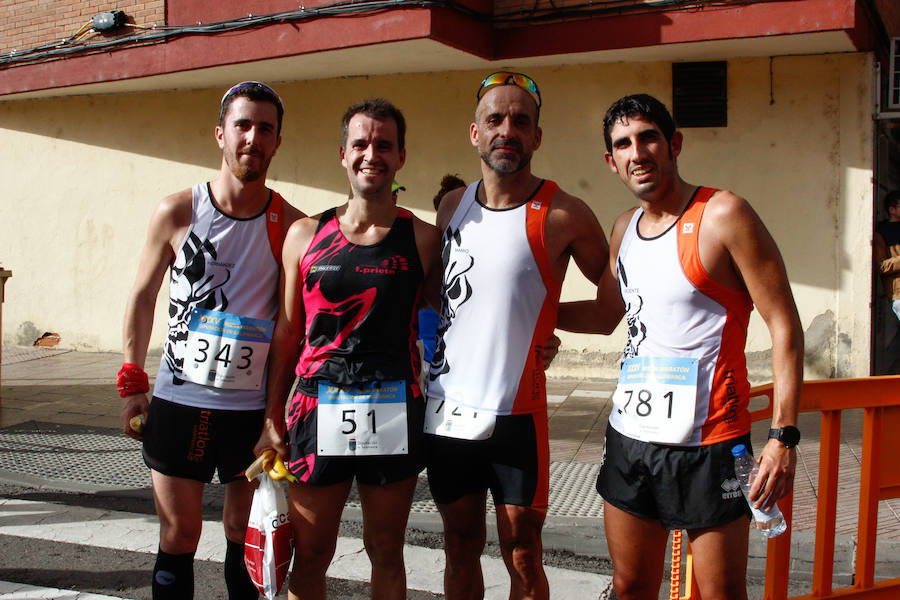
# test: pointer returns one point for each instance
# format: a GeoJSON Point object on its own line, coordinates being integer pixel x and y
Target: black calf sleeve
{"type": "Point", "coordinates": [173, 576]}
{"type": "Point", "coordinates": [236, 578]}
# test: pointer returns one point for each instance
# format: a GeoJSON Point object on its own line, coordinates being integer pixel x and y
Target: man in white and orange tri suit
{"type": "Point", "coordinates": [221, 242]}
{"type": "Point", "coordinates": [507, 240]}
{"type": "Point", "coordinates": [691, 262]}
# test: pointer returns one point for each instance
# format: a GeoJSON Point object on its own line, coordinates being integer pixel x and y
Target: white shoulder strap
{"type": "Point", "coordinates": [465, 204]}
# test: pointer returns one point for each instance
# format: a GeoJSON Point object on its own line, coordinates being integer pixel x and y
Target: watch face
{"type": "Point", "coordinates": [789, 436]}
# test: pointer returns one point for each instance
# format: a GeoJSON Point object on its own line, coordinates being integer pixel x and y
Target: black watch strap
{"type": "Point", "coordinates": [788, 436]}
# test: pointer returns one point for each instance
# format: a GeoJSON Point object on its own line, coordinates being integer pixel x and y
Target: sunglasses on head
{"type": "Point", "coordinates": [252, 85]}
{"type": "Point", "coordinates": [509, 78]}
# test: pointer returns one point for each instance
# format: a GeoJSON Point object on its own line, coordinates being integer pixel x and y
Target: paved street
{"type": "Point", "coordinates": [76, 510]}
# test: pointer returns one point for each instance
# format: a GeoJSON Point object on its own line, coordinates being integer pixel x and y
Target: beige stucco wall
{"type": "Point", "coordinates": [81, 176]}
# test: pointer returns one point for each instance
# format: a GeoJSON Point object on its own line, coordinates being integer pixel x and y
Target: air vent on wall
{"type": "Point", "coordinates": [700, 94]}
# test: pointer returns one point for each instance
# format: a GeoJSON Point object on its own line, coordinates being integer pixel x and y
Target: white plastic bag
{"type": "Point", "coordinates": [269, 543]}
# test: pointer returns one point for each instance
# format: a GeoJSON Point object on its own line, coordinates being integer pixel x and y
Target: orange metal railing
{"type": "Point", "coordinates": [879, 398]}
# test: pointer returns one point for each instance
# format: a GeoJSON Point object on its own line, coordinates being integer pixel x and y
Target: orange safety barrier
{"type": "Point", "coordinates": [879, 397]}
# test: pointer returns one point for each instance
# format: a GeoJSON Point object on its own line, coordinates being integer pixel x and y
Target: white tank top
{"type": "Point", "coordinates": [224, 264]}
{"type": "Point", "coordinates": [674, 309]}
{"type": "Point", "coordinates": [499, 300]}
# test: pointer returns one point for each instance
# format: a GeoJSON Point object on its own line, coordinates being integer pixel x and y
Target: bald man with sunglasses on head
{"type": "Point", "coordinates": [507, 240]}
{"type": "Point", "coordinates": [221, 241]}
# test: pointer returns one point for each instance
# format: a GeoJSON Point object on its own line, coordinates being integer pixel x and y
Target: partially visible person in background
{"type": "Point", "coordinates": [428, 317]}
{"type": "Point", "coordinates": [887, 263]}
{"type": "Point", "coordinates": [396, 188]}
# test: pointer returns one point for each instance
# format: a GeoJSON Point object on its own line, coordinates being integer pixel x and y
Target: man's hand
{"type": "Point", "coordinates": [134, 406]}
{"type": "Point", "coordinates": [776, 475]}
{"type": "Point", "coordinates": [272, 438]}
{"type": "Point", "coordinates": [550, 350]}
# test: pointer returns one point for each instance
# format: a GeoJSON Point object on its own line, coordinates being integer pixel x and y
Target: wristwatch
{"type": "Point", "coordinates": [788, 436]}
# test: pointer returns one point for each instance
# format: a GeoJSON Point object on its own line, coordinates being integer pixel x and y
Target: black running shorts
{"type": "Point", "coordinates": [683, 487]}
{"type": "Point", "coordinates": [189, 442]}
{"type": "Point", "coordinates": [514, 463]}
{"type": "Point", "coordinates": [308, 467]}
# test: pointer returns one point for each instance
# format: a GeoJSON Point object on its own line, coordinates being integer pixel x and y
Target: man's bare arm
{"type": "Point", "coordinates": [167, 228]}
{"type": "Point", "coordinates": [604, 313]}
{"type": "Point", "coordinates": [761, 267]}
{"type": "Point", "coordinates": [287, 337]}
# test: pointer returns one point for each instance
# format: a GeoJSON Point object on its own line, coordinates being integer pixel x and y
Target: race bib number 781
{"type": "Point", "coordinates": [655, 398]}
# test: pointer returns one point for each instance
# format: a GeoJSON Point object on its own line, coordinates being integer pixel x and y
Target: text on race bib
{"type": "Point", "coordinates": [226, 351]}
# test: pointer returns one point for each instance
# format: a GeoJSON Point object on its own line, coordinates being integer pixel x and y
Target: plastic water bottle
{"type": "Point", "coordinates": [770, 522]}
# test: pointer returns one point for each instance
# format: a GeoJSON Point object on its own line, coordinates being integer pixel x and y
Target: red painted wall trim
{"type": "Point", "coordinates": [672, 27]}
{"type": "Point", "coordinates": [448, 27]}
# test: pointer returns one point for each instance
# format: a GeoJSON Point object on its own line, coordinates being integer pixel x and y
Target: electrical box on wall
{"type": "Point", "coordinates": [107, 21]}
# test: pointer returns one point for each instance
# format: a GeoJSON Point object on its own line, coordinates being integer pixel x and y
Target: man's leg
{"type": "Point", "coordinates": [385, 511]}
{"type": "Point", "coordinates": [315, 513]}
{"type": "Point", "coordinates": [720, 560]}
{"type": "Point", "coordinates": [519, 530]}
{"type": "Point", "coordinates": [465, 534]}
{"type": "Point", "coordinates": [179, 506]}
{"type": "Point", "coordinates": [235, 514]}
{"type": "Point", "coordinates": [637, 547]}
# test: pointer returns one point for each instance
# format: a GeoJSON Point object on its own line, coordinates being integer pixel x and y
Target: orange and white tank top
{"type": "Point", "coordinates": [499, 300]}
{"type": "Point", "coordinates": [225, 265]}
{"type": "Point", "coordinates": [680, 318]}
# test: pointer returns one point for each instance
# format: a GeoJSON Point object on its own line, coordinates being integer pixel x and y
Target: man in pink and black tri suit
{"type": "Point", "coordinates": [352, 281]}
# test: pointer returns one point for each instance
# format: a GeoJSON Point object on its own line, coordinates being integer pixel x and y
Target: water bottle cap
{"type": "Point", "coordinates": [739, 450]}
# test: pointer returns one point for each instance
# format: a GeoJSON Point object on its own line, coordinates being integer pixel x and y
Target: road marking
{"type": "Point", "coordinates": [22, 591]}
{"type": "Point", "coordinates": [139, 533]}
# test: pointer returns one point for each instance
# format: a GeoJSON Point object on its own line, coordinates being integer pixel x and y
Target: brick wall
{"type": "Point", "coordinates": [25, 24]}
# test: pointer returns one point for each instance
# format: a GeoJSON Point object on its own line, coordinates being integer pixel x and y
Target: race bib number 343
{"type": "Point", "coordinates": [655, 398]}
{"type": "Point", "coordinates": [225, 350]}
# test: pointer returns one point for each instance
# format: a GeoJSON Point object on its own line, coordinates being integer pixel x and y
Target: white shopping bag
{"type": "Point", "coordinates": [269, 543]}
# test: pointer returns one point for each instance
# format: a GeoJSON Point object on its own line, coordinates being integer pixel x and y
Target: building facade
{"type": "Point", "coordinates": [97, 126]}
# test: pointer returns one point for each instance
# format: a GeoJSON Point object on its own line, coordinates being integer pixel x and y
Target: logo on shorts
{"type": "Point", "coordinates": [199, 438]}
{"type": "Point", "coordinates": [732, 489]}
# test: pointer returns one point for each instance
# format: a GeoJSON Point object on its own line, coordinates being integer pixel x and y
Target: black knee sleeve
{"type": "Point", "coordinates": [236, 578]}
{"type": "Point", "coordinates": [173, 576]}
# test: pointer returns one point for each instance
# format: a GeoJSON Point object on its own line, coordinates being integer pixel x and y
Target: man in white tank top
{"type": "Point", "coordinates": [690, 262]}
{"type": "Point", "coordinates": [507, 242]}
{"type": "Point", "coordinates": [221, 241]}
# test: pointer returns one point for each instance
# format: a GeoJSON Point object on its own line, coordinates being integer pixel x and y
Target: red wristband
{"type": "Point", "coordinates": [131, 380]}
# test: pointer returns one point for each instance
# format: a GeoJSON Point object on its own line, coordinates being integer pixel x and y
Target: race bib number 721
{"type": "Point", "coordinates": [655, 398]}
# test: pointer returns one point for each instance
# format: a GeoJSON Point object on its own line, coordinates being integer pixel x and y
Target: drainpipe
{"type": "Point", "coordinates": [4, 275]}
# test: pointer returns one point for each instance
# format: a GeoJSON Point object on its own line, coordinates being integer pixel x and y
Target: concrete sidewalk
{"type": "Point", "coordinates": [49, 386]}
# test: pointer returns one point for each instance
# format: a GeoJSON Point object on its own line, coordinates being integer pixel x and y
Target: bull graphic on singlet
{"type": "Point", "coordinates": [197, 266]}
{"type": "Point", "coordinates": [455, 291]}
{"type": "Point", "coordinates": [637, 331]}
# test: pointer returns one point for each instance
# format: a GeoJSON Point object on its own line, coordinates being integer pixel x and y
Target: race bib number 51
{"type": "Point", "coordinates": [225, 350]}
{"type": "Point", "coordinates": [365, 420]}
{"type": "Point", "coordinates": [655, 399]}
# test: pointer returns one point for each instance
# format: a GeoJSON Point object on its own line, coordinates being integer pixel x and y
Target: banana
{"type": "Point", "coordinates": [279, 471]}
{"type": "Point", "coordinates": [136, 423]}
{"type": "Point", "coordinates": [272, 464]}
